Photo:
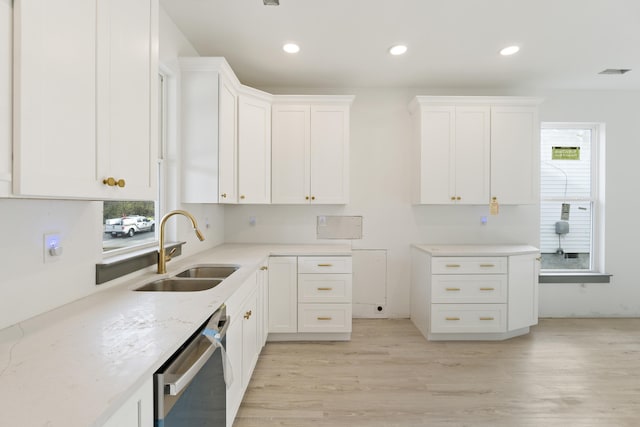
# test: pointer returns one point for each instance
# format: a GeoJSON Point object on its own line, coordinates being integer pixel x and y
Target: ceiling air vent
{"type": "Point", "coordinates": [615, 71]}
{"type": "Point", "coordinates": [271, 2]}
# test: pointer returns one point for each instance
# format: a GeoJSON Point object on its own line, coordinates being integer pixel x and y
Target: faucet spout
{"type": "Point", "coordinates": [162, 256]}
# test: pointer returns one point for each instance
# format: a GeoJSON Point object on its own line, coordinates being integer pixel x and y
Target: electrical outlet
{"type": "Point", "coordinates": [51, 247]}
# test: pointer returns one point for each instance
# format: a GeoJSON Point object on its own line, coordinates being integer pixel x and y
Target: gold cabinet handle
{"type": "Point", "coordinates": [487, 289]}
{"type": "Point", "coordinates": [306, 198]}
{"type": "Point", "coordinates": [264, 267]}
{"type": "Point", "coordinates": [453, 265]}
{"type": "Point", "coordinates": [112, 182]}
{"type": "Point", "coordinates": [325, 289]}
{"type": "Point", "coordinates": [453, 197]}
{"type": "Point", "coordinates": [452, 318]}
{"type": "Point", "coordinates": [242, 197]}
{"type": "Point", "coordinates": [325, 265]}
{"type": "Point", "coordinates": [453, 289]}
{"type": "Point", "coordinates": [486, 318]}
{"type": "Point", "coordinates": [458, 198]}
{"type": "Point", "coordinates": [324, 318]}
{"type": "Point", "coordinates": [313, 197]}
{"type": "Point", "coordinates": [223, 195]}
{"type": "Point", "coordinates": [247, 314]}
{"type": "Point", "coordinates": [487, 265]}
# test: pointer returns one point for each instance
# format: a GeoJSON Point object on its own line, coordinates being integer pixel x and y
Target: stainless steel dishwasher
{"type": "Point", "coordinates": [190, 388]}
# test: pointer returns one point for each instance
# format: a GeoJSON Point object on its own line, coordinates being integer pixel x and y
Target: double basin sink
{"type": "Point", "coordinates": [196, 278]}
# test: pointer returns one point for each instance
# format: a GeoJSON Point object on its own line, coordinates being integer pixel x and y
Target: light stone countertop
{"type": "Point", "coordinates": [476, 250]}
{"type": "Point", "coordinates": [77, 364]}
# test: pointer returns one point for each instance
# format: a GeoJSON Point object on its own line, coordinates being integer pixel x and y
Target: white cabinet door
{"type": "Point", "coordinates": [250, 350]}
{"type": "Point", "coordinates": [234, 354]}
{"type": "Point", "coordinates": [85, 98]}
{"type": "Point", "coordinates": [228, 148]}
{"type": "Point", "coordinates": [137, 411]}
{"type": "Point", "coordinates": [472, 155]}
{"type": "Point", "coordinates": [523, 291]}
{"type": "Point", "coordinates": [127, 80]}
{"type": "Point", "coordinates": [283, 294]}
{"type": "Point", "coordinates": [290, 147]}
{"type": "Point", "coordinates": [329, 155]}
{"type": "Point", "coordinates": [515, 154]}
{"type": "Point", "coordinates": [55, 98]}
{"type": "Point", "coordinates": [254, 150]}
{"type": "Point", "coordinates": [436, 177]}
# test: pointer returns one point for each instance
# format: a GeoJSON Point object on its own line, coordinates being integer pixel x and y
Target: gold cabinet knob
{"type": "Point", "coordinates": [458, 198]}
{"type": "Point", "coordinates": [453, 197]}
{"type": "Point", "coordinates": [306, 198]}
{"type": "Point", "coordinates": [242, 197]}
{"type": "Point", "coordinates": [223, 195]}
{"type": "Point", "coordinates": [264, 267]}
{"type": "Point", "coordinates": [247, 314]}
{"type": "Point", "coordinates": [313, 197]}
{"type": "Point", "coordinates": [112, 182]}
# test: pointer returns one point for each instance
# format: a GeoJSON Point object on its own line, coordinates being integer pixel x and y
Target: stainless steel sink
{"type": "Point", "coordinates": [209, 271]}
{"type": "Point", "coordinates": [174, 284]}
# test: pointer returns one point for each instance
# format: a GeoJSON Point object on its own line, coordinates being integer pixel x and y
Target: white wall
{"type": "Point", "coordinates": [380, 191]}
{"type": "Point", "coordinates": [28, 286]}
{"type": "Point", "coordinates": [5, 96]}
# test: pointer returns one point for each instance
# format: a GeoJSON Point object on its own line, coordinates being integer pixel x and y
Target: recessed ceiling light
{"type": "Point", "coordinates": [291, 48]}
{"type": "Point", "coordinates": [398, 49]}
{"type": "Point", "coordinates": [510, 50]}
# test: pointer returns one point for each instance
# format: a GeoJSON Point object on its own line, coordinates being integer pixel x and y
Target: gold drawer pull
{"type": "Point", "coordinates": [487, 265]}
{"type": "Point", "coordinates": [325, 265]}
{"type": "Point", "coordinates": [325, 289]}
{"type": "Point", "coordinates": [324, 318]}
{"type": "Point", "coordinates": [264, 267]}
{"type": "Point", "coordinates": [453, 289]}
{"type": "Point", "coordinates": [487, 289]}
{"type": "Point", "coordinates": [452, 318]}
{"type": "Point", "coordinates": [453, 265]}
{"type": "Point", "coordinates": [112, 182]}
{"type": "Point", "coordinates": [247, 314]}
{"type": "Point", "coordinates": [487, 318]}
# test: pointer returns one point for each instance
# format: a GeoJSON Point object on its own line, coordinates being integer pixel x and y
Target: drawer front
{"type": "Point", "coordinates": [469, 288]}
{"type": "Point", "coordinates": [469, 318]}
{"type": "Point", "coordinates": [328, 265]}
{"type": "Point", "coordinates": [469, 265]}
{"type": "Point", "coordinates": [324, 317]}
{"type": "Point", "coordinates": [314, 288]}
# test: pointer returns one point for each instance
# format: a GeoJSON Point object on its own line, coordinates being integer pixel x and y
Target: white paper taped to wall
{"type": "Point", "coordinates": [339, 227]}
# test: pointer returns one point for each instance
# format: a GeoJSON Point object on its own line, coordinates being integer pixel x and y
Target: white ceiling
{"type": "Point", "coordinates": [452, 43]}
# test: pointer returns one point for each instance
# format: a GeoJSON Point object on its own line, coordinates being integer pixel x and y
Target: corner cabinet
{"type": "Point", "coordinates": [310, 298]}
{"type": "Point", "coordinates": [469, 150]}
{"type": "Point", "coordinates": [474, 292]}
{"type": "Point", "coordinates": [310, 149]}
{"type": "Point", "coordinates": [85, 99]}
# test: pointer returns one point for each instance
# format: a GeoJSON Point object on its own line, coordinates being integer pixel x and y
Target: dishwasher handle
{"type": "Point", "coordinates": [173, 388]}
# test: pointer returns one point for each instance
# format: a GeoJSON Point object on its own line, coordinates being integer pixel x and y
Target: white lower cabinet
{"type": "Point", "coordinates": [460, 292]}
{"type": "Point", "coordinates": [243, 340]}
{"type": "Point", "coordinates": [137, 411]}
{"type": "Point", "coordinates": [310, 298]}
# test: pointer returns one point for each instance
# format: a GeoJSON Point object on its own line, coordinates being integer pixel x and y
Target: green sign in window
{"type": "Point", "coordinates": [565, 153]}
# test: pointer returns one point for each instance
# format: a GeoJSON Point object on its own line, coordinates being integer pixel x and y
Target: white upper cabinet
{"type": "Point", "coordinates": [254, 148]}
{"type": "Point", "coordinates": [228, 148]}
{"type": "Point", "coordinates": [310, 149]}
{"type": "Point", "coordinates": [515, 154]}
{"type": "Point", "coordinates": [468, 150]}
{"type": "Point", "coordinates": [85, 98]}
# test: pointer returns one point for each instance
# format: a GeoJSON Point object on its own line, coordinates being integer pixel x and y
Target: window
{"type": "Point", "coordinates": [132, 224]}
{"type": "Point", "coordinates": [571, 197]}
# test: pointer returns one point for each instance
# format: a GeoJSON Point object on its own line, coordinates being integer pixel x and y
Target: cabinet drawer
{"type": "Point", "coordinates": [324, 288]}
{"type": "Point", "coordinates": [338, 264]}
{"type": "Point", "coordinates": [472, 318]}
{"type": "Point", "coordinates": [469, 265]}
{"type": "Point", "coordinates": [324, 317]}
{"type": "Point", "coordinates": [469, 288]}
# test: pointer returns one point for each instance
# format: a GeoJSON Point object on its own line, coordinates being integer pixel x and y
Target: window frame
{"type": "Point", "coordinates": [596, 198]}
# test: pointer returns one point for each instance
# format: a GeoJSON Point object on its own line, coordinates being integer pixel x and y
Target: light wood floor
{"type": "Point", "coordinates": [580, 372]}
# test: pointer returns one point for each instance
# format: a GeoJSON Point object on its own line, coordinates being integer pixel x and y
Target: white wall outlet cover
{"type": "Point", "coordinates": [52, 246]}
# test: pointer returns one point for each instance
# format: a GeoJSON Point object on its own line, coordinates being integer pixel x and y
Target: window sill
{"type": "Point", "coordinates": [121, 265]}
{"type": "Point", "coordinates": [574, 278]}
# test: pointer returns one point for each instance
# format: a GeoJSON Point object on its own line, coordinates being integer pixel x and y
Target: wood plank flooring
{"type": "Point", "coordinates": [567, 372]}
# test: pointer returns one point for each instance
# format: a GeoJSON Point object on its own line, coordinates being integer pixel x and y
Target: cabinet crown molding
{"type": "Point", "coordinates": [421, 100]}
{"type": "Point", "coordinates": [313, 99]}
